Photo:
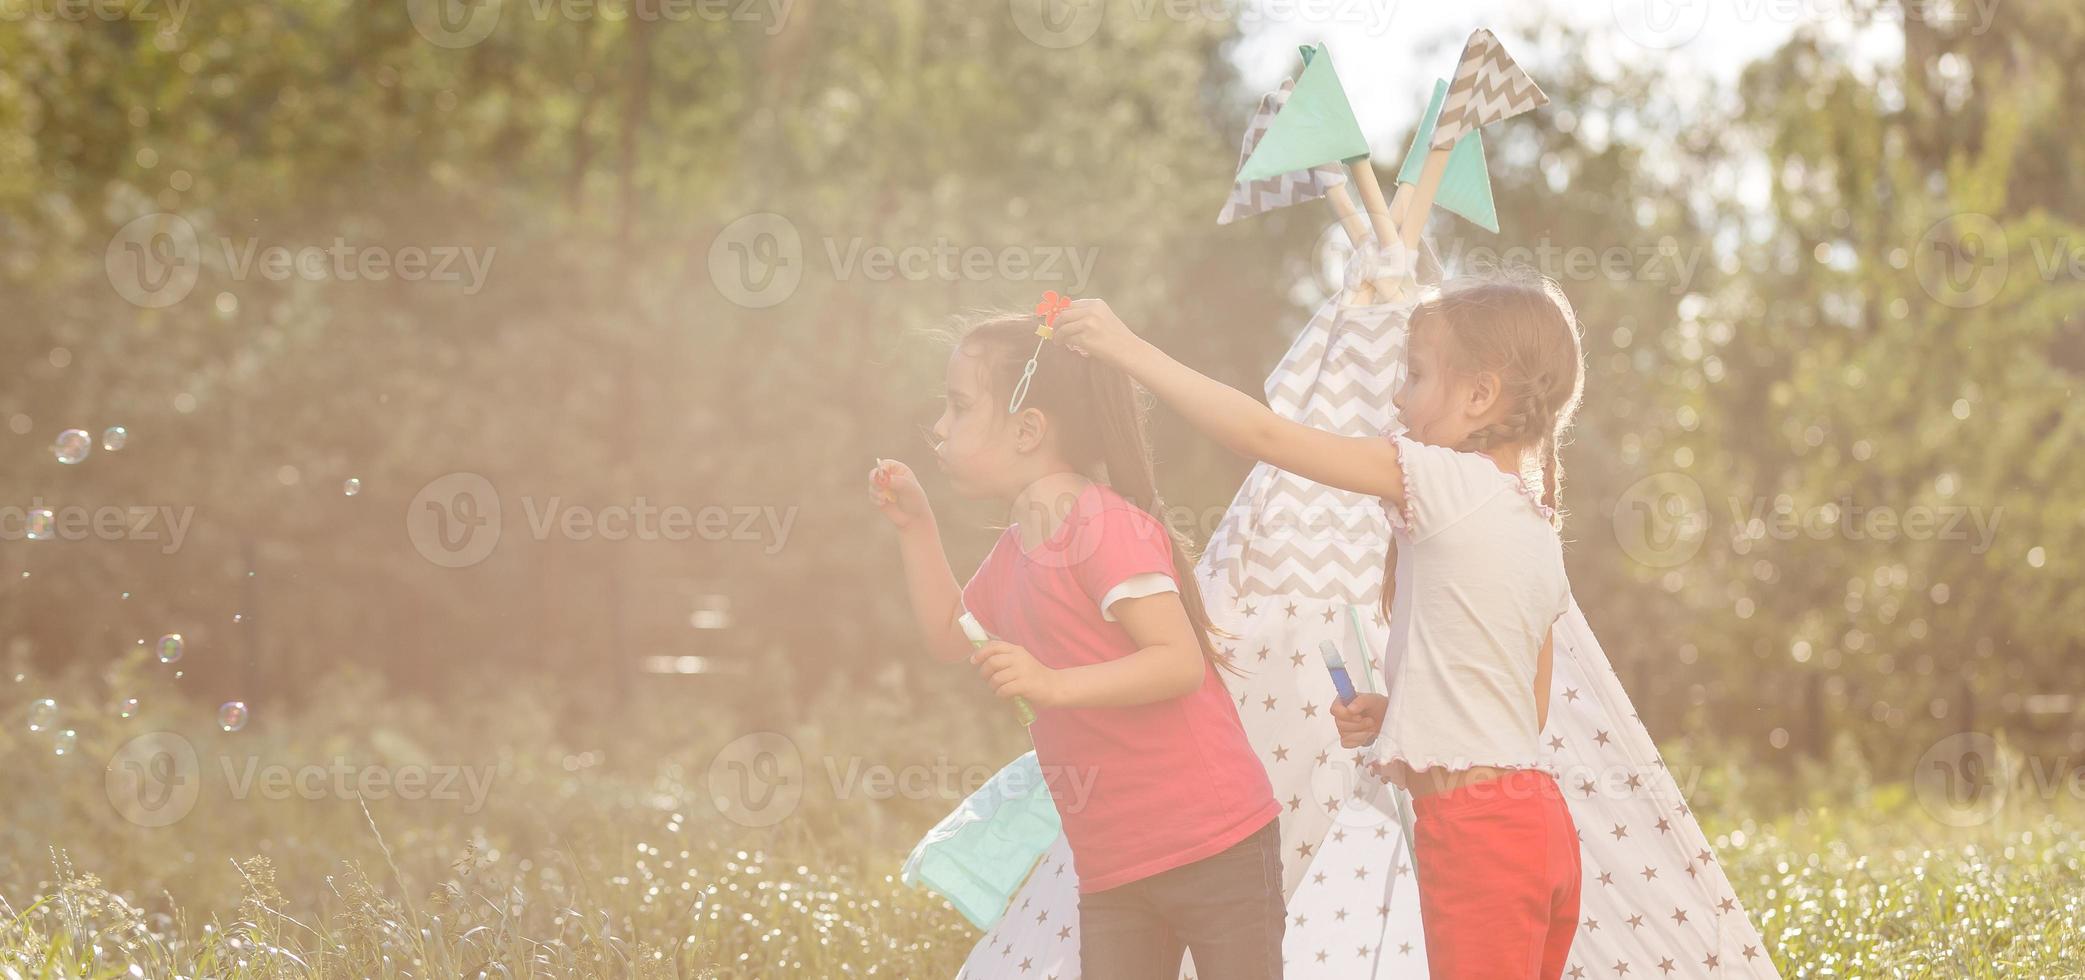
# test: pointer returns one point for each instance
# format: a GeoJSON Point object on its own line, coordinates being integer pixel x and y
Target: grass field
{"type": "Point", "coordinates": [593, 847]}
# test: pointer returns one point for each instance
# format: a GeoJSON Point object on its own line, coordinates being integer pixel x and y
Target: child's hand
{"type": "Point", "coordinates": [897, 493]}
{"type": "Point", "coordinates": [1360, 720]}
{"type": "Point", "coordinates": [1013, 672]}
{"type": "Point", "coordinates": [1091, 329]}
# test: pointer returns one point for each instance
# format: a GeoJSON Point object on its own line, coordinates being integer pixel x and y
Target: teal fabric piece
{"type": "Point", "coordinates": [1315, 127]}
{"type": "Point", "coordinates": [977, 856]}
{"type": "Point", "coordinates": [1466, 184]}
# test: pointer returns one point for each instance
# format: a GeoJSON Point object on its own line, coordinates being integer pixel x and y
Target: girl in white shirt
{"type": "Point", "coordinates": [1476, 579]}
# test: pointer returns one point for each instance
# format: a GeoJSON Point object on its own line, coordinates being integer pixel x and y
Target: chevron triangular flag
{"type": "Point", "coordinates": [1250, 197]}
{"type": "Point", "coordinates": [1316, 126]}
{"type": "Point", "coordinates": [1488, 87]}
{"type": "Point", "coordinates": [1466, 184]}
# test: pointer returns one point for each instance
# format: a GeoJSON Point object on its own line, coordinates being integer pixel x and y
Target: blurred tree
{"type": "Point", "coordinates": [1794, 311]}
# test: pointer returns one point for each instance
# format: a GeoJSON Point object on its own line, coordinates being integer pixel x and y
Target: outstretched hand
{"type": "Point", "coordinates": [1090, 329]}
{"type": "Point", "coordinates": [897, 493]}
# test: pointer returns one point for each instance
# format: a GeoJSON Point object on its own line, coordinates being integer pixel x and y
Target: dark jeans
{"type": "Point", "coordinates": [1226, 908]}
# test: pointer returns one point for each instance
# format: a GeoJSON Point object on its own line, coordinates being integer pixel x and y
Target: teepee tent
{"type": "Point", "coordinates": [1294, 565]}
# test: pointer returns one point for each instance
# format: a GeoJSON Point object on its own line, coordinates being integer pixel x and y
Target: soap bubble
{"type": "Point", "coordinates": [41, 523]}
{"type": "Point", "coordinates": [113, 437]}
{"type": "Point", "coordinates": [42, 714]}
{"type": "Point", "coordinates": [127, 708]}
{"type": "Point", "coordinates": [170, 648]}
{"type": "Point", "coordinates": [64, 741]}
{"type": "Point", "coordinates": [352, 487]}
{"type": "Point", "coordinates": [72, 445]}
{"type": "Point", "coordinates": [231, 715]}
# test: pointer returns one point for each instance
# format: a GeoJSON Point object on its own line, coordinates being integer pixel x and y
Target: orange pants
{"type": "Point", "coordinates": [1498, 878]}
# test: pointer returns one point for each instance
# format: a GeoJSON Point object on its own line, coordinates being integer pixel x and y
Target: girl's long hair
{"type": "Point", "coordinates": [1523, 331]}
{"type": "Point", "coordinates": [1098, 414]}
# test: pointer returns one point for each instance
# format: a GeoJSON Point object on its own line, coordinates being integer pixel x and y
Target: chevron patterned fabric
{"type": "Point", "coordinates": [1488, 87]}
{"type": "Point", "coordinates": [1249, 198]}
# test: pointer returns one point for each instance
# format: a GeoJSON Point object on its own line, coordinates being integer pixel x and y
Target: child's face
{"type": "Point", "coordinates": [1435, 404]}
{"type": "Point", "coordinates": [975, 440]}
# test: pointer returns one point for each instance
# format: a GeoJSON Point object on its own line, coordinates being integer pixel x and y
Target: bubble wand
{"type": "Point", "coordinates": [1342, 683]}
{"type": "Point", "coordinates": [978, 638]}
{"type": "Point", "coordinates": [1345, 686]}
{"type": "Point", "coordinates": [1051, 305]}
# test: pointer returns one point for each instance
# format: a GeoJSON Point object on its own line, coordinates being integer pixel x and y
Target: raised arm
{"type": "Point", "coordinates": [937, 600]}
{"type": "Point", "coordinates": [1240, 422]}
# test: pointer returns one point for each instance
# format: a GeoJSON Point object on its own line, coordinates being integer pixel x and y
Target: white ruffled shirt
{"type": "Point", "coordinates": [1480, 580]}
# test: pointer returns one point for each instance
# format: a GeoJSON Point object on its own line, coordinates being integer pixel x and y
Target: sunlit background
{"type": "Point", "coordinates": [480, 395]}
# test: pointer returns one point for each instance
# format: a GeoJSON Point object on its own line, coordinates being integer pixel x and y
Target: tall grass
{"type": "Point", "coordinates": [598, 848]}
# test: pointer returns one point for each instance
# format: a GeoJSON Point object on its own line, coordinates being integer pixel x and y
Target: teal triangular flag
{"type": "Point", "coordinates": [1466, 184]}
{"type": "Point", "coordinates": [1316, 126]}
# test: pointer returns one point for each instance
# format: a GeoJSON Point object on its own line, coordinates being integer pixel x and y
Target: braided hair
{"type": "Point", "coordinates": [1524, 332]}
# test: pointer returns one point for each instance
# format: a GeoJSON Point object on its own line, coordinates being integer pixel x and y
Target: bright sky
{"type": "Point", "coordinates": [1388, 51]}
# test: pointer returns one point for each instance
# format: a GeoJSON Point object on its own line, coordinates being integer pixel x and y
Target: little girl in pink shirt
{"type": "Point", "coordinates": [1099, 626]}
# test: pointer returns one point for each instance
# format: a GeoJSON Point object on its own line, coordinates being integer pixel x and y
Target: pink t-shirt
{"type": "Point", "coordinates": [1142, 789]}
